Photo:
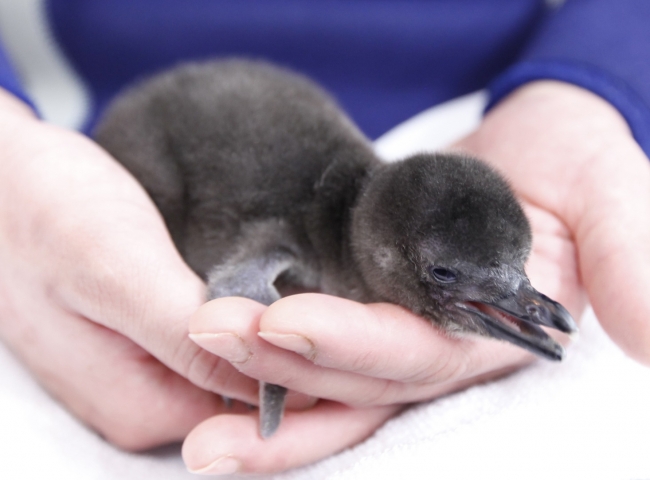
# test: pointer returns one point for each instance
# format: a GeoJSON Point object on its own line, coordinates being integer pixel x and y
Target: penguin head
{"type": "Point", "coordinates": [443, 235]}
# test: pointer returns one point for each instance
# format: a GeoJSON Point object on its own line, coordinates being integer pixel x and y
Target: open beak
{"type": "Point", "coordinates": [517, 317]}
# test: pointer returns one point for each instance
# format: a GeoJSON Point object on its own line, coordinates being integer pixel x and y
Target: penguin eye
{"type": "Point", "coordinates": [442, 275]}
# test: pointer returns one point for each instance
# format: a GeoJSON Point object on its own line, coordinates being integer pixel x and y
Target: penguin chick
{"type": "Point", "coordinates": [265, 184]}
{"type": "Point", "coordinates": [444, 236]}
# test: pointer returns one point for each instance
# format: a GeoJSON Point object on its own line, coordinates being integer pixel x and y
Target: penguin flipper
{"type": "Point", "coordinates": [254, 278]}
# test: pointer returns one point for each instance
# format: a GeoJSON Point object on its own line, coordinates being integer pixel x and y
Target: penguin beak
{"type": "Point", "coordinates": [517, 317]}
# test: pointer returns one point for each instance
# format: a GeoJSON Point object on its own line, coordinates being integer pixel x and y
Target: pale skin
{"type": "Point", "coordinates": [98, 304]}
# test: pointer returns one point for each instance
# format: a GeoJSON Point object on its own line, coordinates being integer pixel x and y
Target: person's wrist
{"type": "Point", "coordinates": [560, 117]}
{"type": "Point", "coordinates": [564, 101]}
{"type": "Point", "coordinates": [546, 136]}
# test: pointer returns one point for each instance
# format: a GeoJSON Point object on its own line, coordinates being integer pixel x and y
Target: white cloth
{"type": "Point", "coordinates": [587, 417]}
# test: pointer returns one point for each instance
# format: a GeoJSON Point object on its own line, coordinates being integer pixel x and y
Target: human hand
{"type": "Point", "coordinates": [94, 298]}
{"type": "Point", "coordinates": [381, 355]}
{"type": "Point", "coordinates": [366, 360]}
{"type": "Point", "coordinates": [573, 162]}
{"type": "Point", "coordinates": [95, 301]}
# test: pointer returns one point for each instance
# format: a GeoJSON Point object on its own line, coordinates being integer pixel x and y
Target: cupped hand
{"type": "Point", "coordinates": [94, 298]}
{"type": "Point", "coordinates": [571, 157]}
{"type": "Point", "coordinates": [366, 360]}
{"type": "Point", "coordinates": [585, 185]}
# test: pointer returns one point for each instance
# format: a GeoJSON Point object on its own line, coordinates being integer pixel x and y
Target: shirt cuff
{"type": "Point", "coordinates": [629, 103]}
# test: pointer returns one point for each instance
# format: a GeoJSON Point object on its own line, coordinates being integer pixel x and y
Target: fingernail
{"type": "Point", "coordinates": [291, 341]}
{"type": "Point", "coordinates": [221, 466]}
{"type": "Point", "coordinates": [225, 345]}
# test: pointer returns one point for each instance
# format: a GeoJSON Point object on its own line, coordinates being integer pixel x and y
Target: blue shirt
{"type": "Point", "coordinates": [384, 60]}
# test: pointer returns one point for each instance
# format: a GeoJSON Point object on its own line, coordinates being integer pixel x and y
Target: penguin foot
{"type": "Point", "coordinates": [271, 408]}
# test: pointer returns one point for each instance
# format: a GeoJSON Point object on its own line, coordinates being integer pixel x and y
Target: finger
{"type": "Point", "coordinates": [96, 243]}
{"type": "Point", "coordinates": [235, 345]}
{"type": "Point", "coordinates": [236, 339]}
{"type": "Point", "coordinates": [231, 443]}
{"type": "Point", "coordinates": [150, 302]}
{"type": "Point", "coordinates": [379, 340]}
{"type": "Point", "coordinates": [69, 220]}
{"type": "Point", "coordinates": [613, 232]}
{"type": "Point", "coordinates": [106, 380]}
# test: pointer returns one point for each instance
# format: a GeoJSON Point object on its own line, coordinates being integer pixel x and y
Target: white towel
{"type": "Point", "coordinates": [588, 417]}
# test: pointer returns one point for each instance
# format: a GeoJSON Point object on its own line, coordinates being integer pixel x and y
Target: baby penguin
{"type": "Point", "coordinates": [266, 185]}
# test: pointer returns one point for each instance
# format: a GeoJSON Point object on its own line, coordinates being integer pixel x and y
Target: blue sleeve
{"type": "Point", "coordinates": [9, 79]}
{"type": "Point", "coordinates": [600, 45]}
